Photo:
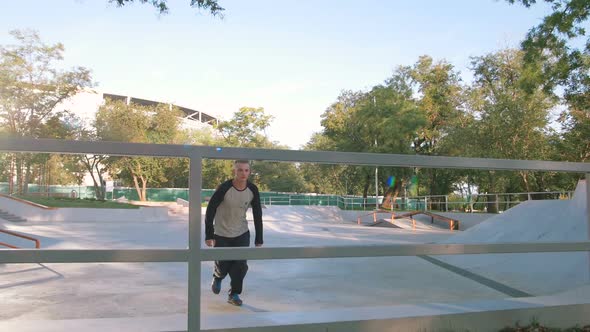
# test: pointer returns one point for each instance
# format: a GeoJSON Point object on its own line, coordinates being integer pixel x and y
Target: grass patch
{"type": "Point", "coordinates": [536, 327]}
{"type": "Point", "coordinates": [65, 202]}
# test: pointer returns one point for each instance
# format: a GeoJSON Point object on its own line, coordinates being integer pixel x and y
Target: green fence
{"type": "Point", "coordinates": [69, 191]}
{"type": "Point", "coordinates": [171, 194]}
{"type": "Point", "coordinates": [438, 202]}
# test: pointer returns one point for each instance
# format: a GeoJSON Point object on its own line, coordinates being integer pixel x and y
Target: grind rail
{"type": "Point", "coordinates": [37, 242]}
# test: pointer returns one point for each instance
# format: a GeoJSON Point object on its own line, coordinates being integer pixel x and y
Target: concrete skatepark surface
{"type": "Point", "coordinates": [70, 294]}
{"type": "Point", "coordinates": [531, 221]}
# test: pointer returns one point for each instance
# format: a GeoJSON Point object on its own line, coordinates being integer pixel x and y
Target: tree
{"type": "Point", "coordinates": [575, 138]}
{"type": "Point", "coordinates": [275, 176]}
{"type": "Point", "coordinates": [246, 128]}
{"type": "Point", "coordinates": [213, 171]}
{"type": "Point", "coordinates": [322, 178]}
{"type": "Point", "coordinates": [439, 96]}
{"type": "Point", "coordinates": [511, 110]}
{"type": "Point", "coordinates": [550, 40]}
{"type": "Point", "coordinates": [31, 85]}
{"type": "Point", "coordinates": [575, 119]}
{"type": "Point", "coordinates": [384, 120]}
{"type": "Point", "coordinates": [55, 168]}
{"type": "Point", "coordinates": [118, 121]}
{"type": "Point", "coordinates": [162, 6]}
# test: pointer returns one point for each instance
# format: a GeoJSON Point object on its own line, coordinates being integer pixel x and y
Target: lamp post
{"type": "Point", "coordinates": [376, 169]}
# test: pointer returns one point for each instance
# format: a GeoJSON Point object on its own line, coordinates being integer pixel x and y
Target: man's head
{"type": "Point", "coordinates": [241, 170]}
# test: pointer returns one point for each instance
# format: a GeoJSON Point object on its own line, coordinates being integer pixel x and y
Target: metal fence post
{"type": "Point", "coordinates": [194, 243]}
{"type": "Point", "coordinates": [588, 215]}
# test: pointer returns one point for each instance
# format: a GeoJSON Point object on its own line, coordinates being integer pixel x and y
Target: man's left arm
{"type": "Point", "coordinates": [257, 213]}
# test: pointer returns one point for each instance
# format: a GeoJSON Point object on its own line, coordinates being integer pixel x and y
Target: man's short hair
{"type": "Point", "coordinates": [242, 161]}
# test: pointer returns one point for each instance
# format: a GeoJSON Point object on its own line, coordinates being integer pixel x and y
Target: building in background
{"type": "Point", "coordinates": [85, 105]}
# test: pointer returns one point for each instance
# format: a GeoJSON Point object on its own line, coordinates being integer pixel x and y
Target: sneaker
{"type": "Point", "coordinates": [234, 299]}
{"type": "Point", "coordinates": [216, 285]}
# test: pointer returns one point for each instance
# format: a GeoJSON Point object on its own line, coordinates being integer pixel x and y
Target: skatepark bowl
{"type": "Point", "coordinates": [321, 269]}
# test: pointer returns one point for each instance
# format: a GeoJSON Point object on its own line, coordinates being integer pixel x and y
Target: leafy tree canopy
{"type": "Point", "coordinates": [162, 6]}
{"type": "Point", "coordinates": [551, 41]}
{"type": "Point", "coordinates": [31, 83]}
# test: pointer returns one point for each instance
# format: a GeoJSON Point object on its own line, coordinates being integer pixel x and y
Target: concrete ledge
{"type": "Point", "coordinates": [559, 311]}
{"type": "Point", "coordinates": [36, 213]}
{"type": "Point", "coordinates": [182, 202]}
{"type": "Point", "coordinates": [17, 202]}
{"type": "Point", "coordinates": [487, 315]}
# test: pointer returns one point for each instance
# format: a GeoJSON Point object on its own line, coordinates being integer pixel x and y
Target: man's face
{"type": "Point", "coordinates": [241, 171]}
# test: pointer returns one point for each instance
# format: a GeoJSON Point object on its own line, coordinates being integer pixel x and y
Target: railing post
{"type": "Point", "coordinates": [497, 204]}
{"type": "Point", "coordinates": [588, 215]}
{"type": "Point", "coordinates": [194, 244]}
{"type": "Point", "coordinates": [446, 203]}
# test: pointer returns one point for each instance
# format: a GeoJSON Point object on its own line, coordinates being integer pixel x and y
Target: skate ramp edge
{"type": "Point", "coordinates": [580, 195]}
{"type": "Point", "coordinates": [533, 221]}
{"type": "Point", "coordinates": [300, 213]}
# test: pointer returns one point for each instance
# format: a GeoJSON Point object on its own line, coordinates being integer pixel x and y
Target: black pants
{"type": "Point", "coordinates": [236, 269]}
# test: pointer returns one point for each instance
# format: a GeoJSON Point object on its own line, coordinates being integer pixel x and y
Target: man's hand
{"type": "Point", "coordinates": [210, 243]}
{"type": "Point", "coordinates": [259, 244]}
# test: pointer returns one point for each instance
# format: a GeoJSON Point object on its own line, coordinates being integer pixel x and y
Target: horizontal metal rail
{"type": "Point", "coordinates": [211, 254]}
{"type": "Point", "coordinates": [95, 256]}
{"type": "Point", "coordinates": [8, 245]}
{"type": "Point", "coordinates": [453, 223]}
{"type": "Point", "coordinates": [37, 242]}
{"type": "Point", "coordinates": [374, 213]}
{"type": "Point", "coordinates": [322, 157]}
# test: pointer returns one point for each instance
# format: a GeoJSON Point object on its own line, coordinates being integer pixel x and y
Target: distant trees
{"type": "Point", "coordinates": [119, 121]}
{"type": "Point", "coordinates": [426, 109]}
{"type": "Point", "coordinates": [532, 103]}
{"type": "Point", "coordinates": [554, 42]}
{"type": "Point", "coordinates": [247, 128]}
{"type": "Point", "coordinates": [31, 85]}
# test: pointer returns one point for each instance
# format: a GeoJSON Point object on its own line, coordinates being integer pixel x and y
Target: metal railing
{"type": "Point", "coordinates": [474, 203]}
{"type": "Point", "coordinates": [37, 242]}
{"type": "Point", "coordinates": [194, 255]}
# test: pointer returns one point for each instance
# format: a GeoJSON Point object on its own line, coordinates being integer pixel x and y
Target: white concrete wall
{"type": "Point", "coordinates": [33, 213]}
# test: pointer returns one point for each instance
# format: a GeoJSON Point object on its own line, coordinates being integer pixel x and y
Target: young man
{"type": "Point", "coordinates": [228, 207]}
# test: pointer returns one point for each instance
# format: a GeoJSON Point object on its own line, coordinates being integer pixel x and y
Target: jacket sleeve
{"type": "Point", "coordinates": [257, 214]}
{"type": "Point", "coordinates": [214, 202]}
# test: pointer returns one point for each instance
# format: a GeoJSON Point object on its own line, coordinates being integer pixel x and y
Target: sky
{"type": "Point", "coordinates": [291, 57]}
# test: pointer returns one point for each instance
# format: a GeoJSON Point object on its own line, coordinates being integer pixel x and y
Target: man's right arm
{"type": "Point", "coordinates": [214, 202]}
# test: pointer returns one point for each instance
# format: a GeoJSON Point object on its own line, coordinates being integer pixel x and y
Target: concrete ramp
{"type": "Point", "coordinates": [531, 221]}
{"type": "Point", "coordinates": [300, 213]}
{"type": "Point", "coordinates": [580, 194]}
